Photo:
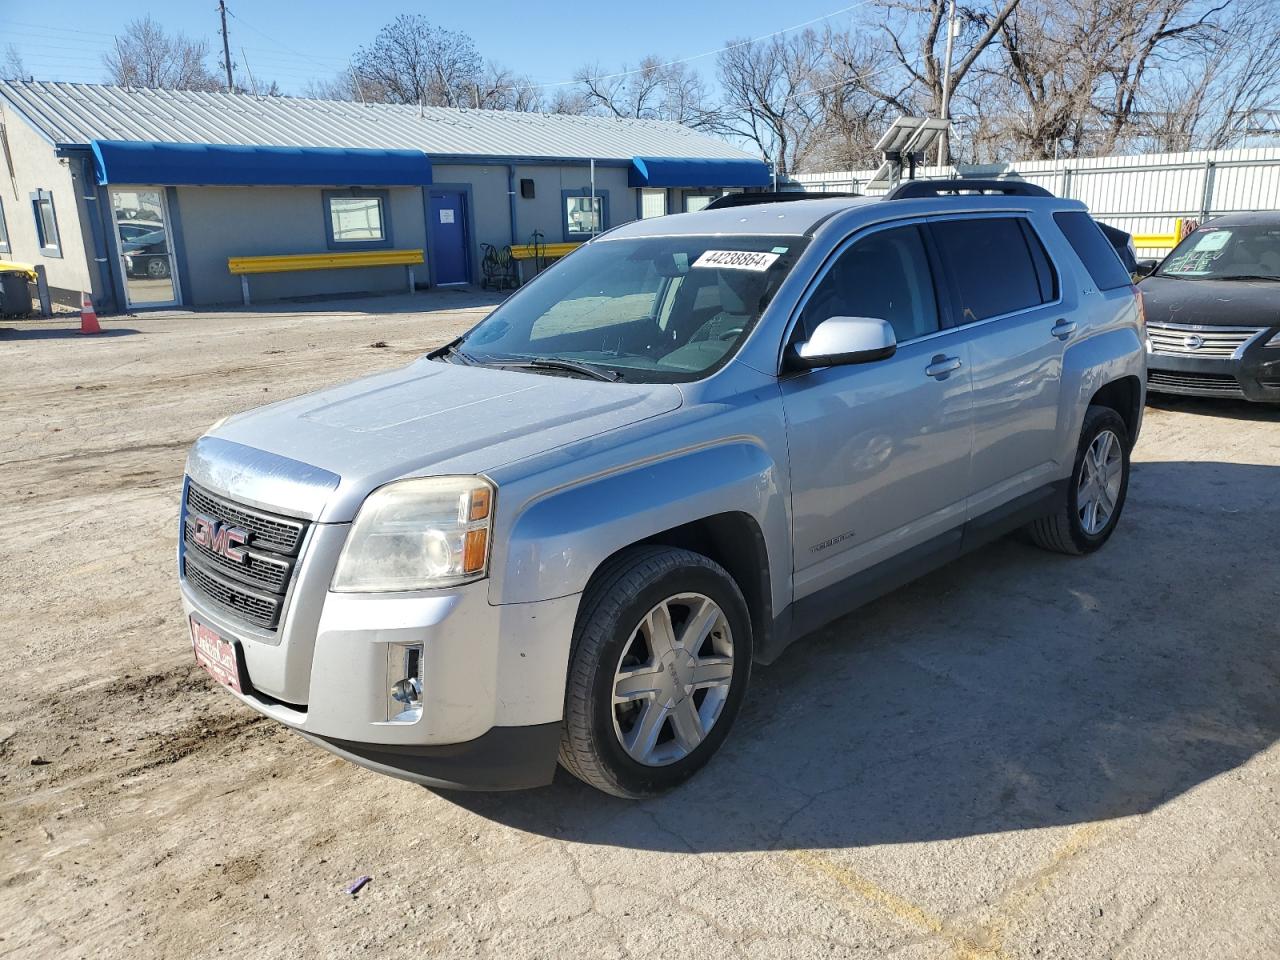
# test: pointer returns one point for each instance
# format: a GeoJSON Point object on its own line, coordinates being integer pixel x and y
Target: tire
{"type": "Point", "coordinates": [688, 705]}
{"type": "Point", "coordinates": [157, 269]}
{"type": "Point", "coordinates": [1066, 530]}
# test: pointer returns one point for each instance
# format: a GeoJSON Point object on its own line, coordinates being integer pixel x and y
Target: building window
{"type": "Point", "coordinates": [584, 215]}
{"type": "Point", "coordinates": [4, 231]}
{"type": "Point", "coordinates": [693, 202]}
{"type": "Point", "coordinates": [46, 223]}
{"type": "Point", "coordinates": [356, 219]}
{"type": "Point", "coordinates": [653, 203]}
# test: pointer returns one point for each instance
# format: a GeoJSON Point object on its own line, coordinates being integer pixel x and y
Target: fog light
{"type": "Point", "coordinates": [404, 677]}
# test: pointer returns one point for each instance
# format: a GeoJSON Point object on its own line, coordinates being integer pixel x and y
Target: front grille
{"type": "Point", "coordinates": [258, 609]}
{"type": "Point", "coordinates": [271, 532]}
{"type": "Point", "coordinates": [1187, 340]}
{"type": "Point", "coordinates": [254, 588]}
{"type": "Point", "coordinates": [1208, 384]}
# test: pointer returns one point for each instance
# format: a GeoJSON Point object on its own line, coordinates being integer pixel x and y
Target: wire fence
{"type": "Point", "coordinates": [1146, 195]}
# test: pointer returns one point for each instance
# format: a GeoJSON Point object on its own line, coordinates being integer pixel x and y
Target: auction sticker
{"type": "Point", "coordinates": [736, 260]}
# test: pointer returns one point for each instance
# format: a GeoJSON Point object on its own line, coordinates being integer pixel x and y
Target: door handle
{"type": "Point", "coordinates": [943, 366]}
{"type": "Point", "coordinates": [1063, 329]}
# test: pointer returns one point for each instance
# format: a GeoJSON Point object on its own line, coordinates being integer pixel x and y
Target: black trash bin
{"type": "Point", "coordinates": [15, 294]}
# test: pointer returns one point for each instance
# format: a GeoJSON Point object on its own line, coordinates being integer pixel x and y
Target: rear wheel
{"type": "Point", "coordinates": [1090, 510]}
{"type": "Point", "coordinates": [662, 655]}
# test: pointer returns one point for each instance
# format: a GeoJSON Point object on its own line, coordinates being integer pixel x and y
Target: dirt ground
{"type": "Point", "coordinates": [1022, 756]}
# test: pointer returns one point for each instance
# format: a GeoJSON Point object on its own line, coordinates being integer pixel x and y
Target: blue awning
{"type": "Point", "coordinates": [697, 172]}
{"type": "Point", "coordinates": [222, 164]}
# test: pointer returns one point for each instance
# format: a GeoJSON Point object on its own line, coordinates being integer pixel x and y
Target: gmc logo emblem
{"type": "Point", "coordinates": [221, 538]}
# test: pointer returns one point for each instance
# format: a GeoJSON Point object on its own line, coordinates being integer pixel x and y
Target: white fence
{"type": "Point", "coordinates": [1145, 195]}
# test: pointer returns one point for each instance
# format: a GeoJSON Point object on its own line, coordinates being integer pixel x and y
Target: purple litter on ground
{"type": "Point", "coordinates": [358, 885]}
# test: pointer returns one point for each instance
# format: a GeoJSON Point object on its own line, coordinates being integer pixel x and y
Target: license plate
{"type": "Point", "coordinates": [216, 654]}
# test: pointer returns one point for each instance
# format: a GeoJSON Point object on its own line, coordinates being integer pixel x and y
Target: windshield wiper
{"type": "Point", "coordinates": [573, 366]}
{"type": "Point", "coordinates": [456, 353]}
{"type": "Point", "coordinates": [1249, 276]}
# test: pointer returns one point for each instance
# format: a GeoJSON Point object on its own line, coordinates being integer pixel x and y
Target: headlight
{"type": "Point", "coordinates": [417, 535]}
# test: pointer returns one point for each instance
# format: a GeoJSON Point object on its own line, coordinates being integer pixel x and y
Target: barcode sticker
{"type": "Point", "coordinates": [736, 260]}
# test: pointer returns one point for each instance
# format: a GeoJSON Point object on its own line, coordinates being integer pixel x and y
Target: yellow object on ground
{"type": "Point", "coordinates": [284, 263]}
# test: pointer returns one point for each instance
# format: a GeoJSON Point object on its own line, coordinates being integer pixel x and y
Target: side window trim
{"type": "Point", "coordinates": [940, 293]}
{"type": "Point", "coordinates": [953, 288]}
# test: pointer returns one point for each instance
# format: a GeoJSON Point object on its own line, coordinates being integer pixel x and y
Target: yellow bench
{"type": "Point", "coordinates": [243, 267]}
{"type": "Point", "coordinates": [542, 251]}
{"type": "Point", "coordinates": [551, 251]}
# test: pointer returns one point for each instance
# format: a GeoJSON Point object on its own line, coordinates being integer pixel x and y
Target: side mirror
{"type": "Point", "coordinates": [1147, 267]}
{"type": "Point", "coordinates": [838, 341]}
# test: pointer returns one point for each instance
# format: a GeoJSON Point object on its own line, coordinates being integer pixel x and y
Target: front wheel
{"type": "Point", "coordinates": [661, 659]}
{"type": "Point", "coordinates": [1090, 510]}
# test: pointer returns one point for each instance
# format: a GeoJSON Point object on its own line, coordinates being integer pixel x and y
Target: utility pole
{"type": "Point", "coordinates": [226, 46]}
{"type": "Point", "coordinates": [944, 148]}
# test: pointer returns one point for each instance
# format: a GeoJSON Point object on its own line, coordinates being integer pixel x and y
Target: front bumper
{"type": "Point", "coordinates": [1252, 375]}
{"type": "Point", "coordinates": [505, 758]}
{"type": "Point", "coordinates": [493, 675]}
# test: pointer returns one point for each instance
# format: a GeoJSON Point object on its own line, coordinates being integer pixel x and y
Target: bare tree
{"type": "Point", "coordinates": [12, 67]}
{"type": "Point", "coordinates": [1207, 101]}
{"type": "Point", "coordinates": [146, 56]}
{"type": "Point", "coordinates": [768, 101]}
{"type": "Point", "coordinates": [652, 90]}
{"type": "Point", "coordinates": [413, 61]}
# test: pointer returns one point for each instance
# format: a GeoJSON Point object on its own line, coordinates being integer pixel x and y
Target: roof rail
{"type": "Point", "coordinates": [938, 188]}
{"type": "Point", "coordinates": [779, 196]}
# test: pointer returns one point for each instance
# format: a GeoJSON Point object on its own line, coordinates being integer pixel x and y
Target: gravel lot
{"type": "Point", "coordinates": [1020, 756]}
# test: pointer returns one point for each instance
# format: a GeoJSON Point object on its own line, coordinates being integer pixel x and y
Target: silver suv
{"type": "Point", "coordinates": [571, 532]}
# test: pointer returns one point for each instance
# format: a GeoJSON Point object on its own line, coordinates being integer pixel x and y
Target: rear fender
{"type": "Point", "coordinates": [1087, 367]}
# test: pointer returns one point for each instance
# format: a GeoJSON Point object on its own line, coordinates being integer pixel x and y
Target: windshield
{"type": "Point", "coordinates": [1247, 251]}
{"type": "Point", "coordinates": [645, 310]}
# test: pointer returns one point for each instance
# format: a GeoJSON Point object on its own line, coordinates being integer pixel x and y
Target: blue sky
{"type": "Point", "coordinates": [292, 42]}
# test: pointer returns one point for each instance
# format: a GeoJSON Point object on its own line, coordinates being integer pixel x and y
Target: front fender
{"type": "Point", "coordinates": [559, 540]}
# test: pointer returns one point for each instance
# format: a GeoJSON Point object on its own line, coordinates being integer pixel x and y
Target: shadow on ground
{"type": "Point", "coordinates": [1215, 407]}
{"type": "Point", "coordinates": [1015, 689]}
{"type": "Point", "coordinates": [59, 333]}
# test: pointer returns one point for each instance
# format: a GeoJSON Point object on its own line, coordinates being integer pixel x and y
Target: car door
{"type": "Point", "coordinates": [1011, 314]}
{"type": "Point", "coordinates": [879, 451]}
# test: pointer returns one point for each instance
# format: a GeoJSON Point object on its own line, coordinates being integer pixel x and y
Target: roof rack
{"type": "Point", "coordinates": [779, 196]}
{"type": "Point", "coordinates": [939, 188]}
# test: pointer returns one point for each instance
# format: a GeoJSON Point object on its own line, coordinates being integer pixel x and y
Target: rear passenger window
{"type": "Point", "coordinates": [884, 275]}
{"type": "Point", "coordinates": [1093, 248]}
{"type": "Point", "coordinates": [994, 267]}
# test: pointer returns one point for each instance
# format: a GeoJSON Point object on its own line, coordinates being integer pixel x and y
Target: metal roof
{"type": "Point", "coordinates": [78, 113]}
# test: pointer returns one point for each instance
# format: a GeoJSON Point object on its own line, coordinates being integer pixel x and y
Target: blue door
{"type": "Point", "coordinates": [448, 231]}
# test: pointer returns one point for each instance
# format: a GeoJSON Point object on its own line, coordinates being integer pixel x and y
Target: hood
{"type": "Point", "coordinates": [1226, 303]}
{"type": "Point", "coordinates": [434, 418]}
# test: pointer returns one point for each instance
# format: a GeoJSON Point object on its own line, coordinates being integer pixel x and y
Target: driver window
{"type": "Point", "coordinates": [884, 275]}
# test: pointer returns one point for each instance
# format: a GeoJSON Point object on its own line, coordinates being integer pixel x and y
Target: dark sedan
{"type": "Point", "coordinates": [1213, 312]}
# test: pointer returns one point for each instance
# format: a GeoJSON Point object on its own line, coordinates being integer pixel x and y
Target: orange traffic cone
{"type": "Point", "coordinates": [88, 318]}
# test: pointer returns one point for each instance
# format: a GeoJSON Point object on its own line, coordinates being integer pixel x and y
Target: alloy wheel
{"type": "Point", "coordinates": [672, 679]}
{"type": "Point", "coordinates": [1101, 474]}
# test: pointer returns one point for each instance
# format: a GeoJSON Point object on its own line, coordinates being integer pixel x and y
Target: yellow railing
{"type": "Point", "coordinates": [284, 263]}
{"type": "Point", "coordinates": [526, 251]}
{"type": "Point", "coordinates": [1159, 241]}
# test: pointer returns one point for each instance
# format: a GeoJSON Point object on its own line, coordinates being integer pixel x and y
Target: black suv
{"type": "Point", "coordinates": [1213, 312]}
